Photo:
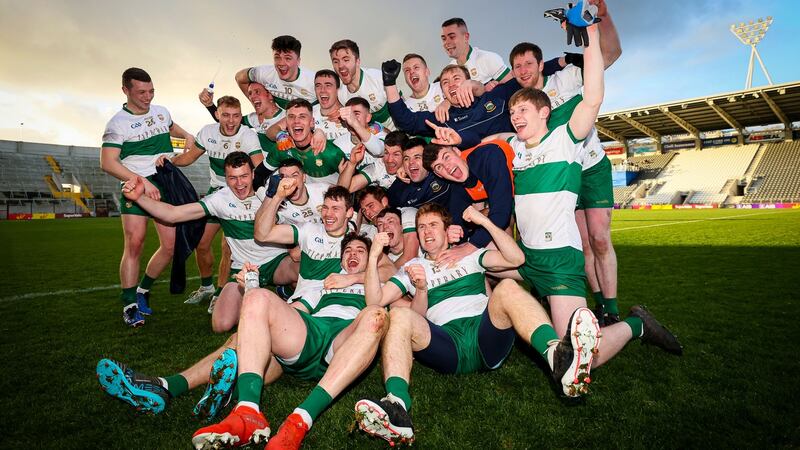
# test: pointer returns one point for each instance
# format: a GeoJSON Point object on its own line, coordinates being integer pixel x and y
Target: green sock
{"type": "Point", "coordinates": [598, 298]}
{"type": "Point", "coordinates": [316, 402]}
{"type": "Point", "coordinates": [610, 305]}
{"type": "Point", "coordinates": [541, 338]}
{"type": "Point", "coordinates": [207, 281]}
{"type": "Point", "coordinates": [176, 384]}
{"type": "Point", "coordinates": [249, 385]}
{"type": "Point", "coordinates": [128, 296]}
{"type": "Point", "coordinates": [399, 388]}
{"type": "Point", "coordinates": [636, 326]}
{"type": "Point", "coordinates": [147, 282]}
{"type": "Point", "coordinates": [219, 289]}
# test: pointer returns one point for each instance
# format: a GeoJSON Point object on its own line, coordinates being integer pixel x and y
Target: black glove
{"type": "Point", "coordinates": [390, 71]}
{"type": "Point", "coordinates": [575, 19]}
{"type": "Point", "coordinates": [576, 59]}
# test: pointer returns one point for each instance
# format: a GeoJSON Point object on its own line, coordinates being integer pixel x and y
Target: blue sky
{"type": "Point", "coordinates": [62, 60]}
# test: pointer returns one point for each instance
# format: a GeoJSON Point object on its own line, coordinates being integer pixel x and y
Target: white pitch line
{"type": "Point", "coordinates": [69, 292]}
{"type": "Point", "coordinates": [699, 220]}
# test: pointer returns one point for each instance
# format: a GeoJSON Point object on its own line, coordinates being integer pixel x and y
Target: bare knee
{"type": "Point", "coordinates": [601, 243]}
{"type": "Point", "coordinates": [507, 288]}
{"type": "Point", "coordinates": [375, 320]}
{"type": "Point", "coordinates": [255, 301]}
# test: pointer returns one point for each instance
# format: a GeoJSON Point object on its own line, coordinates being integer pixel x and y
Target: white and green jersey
{"type": "Point", "coordinates": [141, 138]}
{"type": "Point", "coordinates": [284, 91]}
{"type": "Point", "coordinates": [453, 294]}
{"type": "Point", "coordinates": [320, 256]}
{"type": "Point", "coordinates": [322, 168]}
{"type": "Point", "coordinates": [218, 146]}
{"type": "Point", "coordinates": [344, 303]}
{"type": "Point", "coordinates": [252, 121]}
{"type": "Point", "coordinates": [547, 179]}
{"type": "Point", "coordinates": [292, 214]}
{"type": "Point", "coordinates": [374, 170]}
{"type": "Point", "coordinates": [564, 88]}
{"type": "Point", "coordinates": [484, 66]}
{"type": "Point", "coordinates": [374, 146]}
{"type": "Point", "coordinates": [427, 103]}
{"type": "Point", "coordinates": [408, 216]}
{"type": "Point", "coordinates": [237, 218]}
{"type": "Point", "coordinates": [370, 88]}
{"type": "Point", "coordinates": [332, 128]}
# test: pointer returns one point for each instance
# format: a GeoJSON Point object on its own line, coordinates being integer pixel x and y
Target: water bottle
{"type": "Point", "coordinates": [210, 88]}
{"type": "Point", "coordinates": [250, 280]}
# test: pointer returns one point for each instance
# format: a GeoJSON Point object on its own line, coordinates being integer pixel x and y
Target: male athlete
{"type": "Point", "coordinates": [132, 142]}
{"type": "Point", "coordinates": [390, 221]}
{"type": "Point", "coordinates": [376, 171]}
{"type": "Point", "coordinates": [372, 200]}
{"type": "Point", "coordinates": [285, 80]}
{"type": "Point", "coordinates": [486, 67]}
{"type": "Point", "coordinates": [218, 140]}
{"type": "Point", "coordinates": [326, 112]}
{"type": "Point", "coordinates": [356, 117]}
{"type": "Point", "coordinates": [359, 82]}
{"type": "Point", "coordinates": [425, 96]}
{"type": "Point", "coordinates": [453, 327]}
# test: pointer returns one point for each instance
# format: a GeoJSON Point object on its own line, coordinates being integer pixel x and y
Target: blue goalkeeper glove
{"type": "Point", "coordinates": [575, 19]}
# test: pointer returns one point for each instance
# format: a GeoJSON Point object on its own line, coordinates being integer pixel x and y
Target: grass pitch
{"type": "Point", "coordinates": [723, 280]}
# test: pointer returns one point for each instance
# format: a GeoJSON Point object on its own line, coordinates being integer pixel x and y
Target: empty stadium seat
{"type": "Point", "coordinates": [778, 175]}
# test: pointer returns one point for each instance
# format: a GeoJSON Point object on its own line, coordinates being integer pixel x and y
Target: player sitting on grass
{"type": "Point", "coordinates": [235, 206]}
{"type": "Point", "coordinates": [453, 327]}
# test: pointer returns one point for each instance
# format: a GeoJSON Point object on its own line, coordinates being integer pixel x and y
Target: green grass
{"type": "Point", "coordinates": [725, 281]}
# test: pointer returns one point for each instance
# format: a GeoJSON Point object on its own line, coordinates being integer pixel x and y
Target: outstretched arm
{"type": "Point", "coordinates": [133, 190]}
{"type": "Point", "coordinates": [585, 114]}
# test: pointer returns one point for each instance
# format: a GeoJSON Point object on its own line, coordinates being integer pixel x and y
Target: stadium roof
{"type": "Point", "coordinates": [758, 106]}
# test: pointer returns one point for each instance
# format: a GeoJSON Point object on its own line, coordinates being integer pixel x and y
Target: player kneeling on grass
{"type": "Point", "coordinates": [235, 206]}
{"type": "Point", "coordinates": [454, 327]}
{"type": "Point", "coordinates": [333, 343]}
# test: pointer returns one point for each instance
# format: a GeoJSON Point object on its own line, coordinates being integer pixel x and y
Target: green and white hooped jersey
{"type": "Point", "coordinates": [320, 256]}
{"type": "Point", "coordinates": [453, 294]}
{"type": "Point", "coordinates": [141, 138]}
{"type": "Point", "coordinates": [218, 146]}
{"type": "Point", "coordinates": [374, 170]}
{"type": "Point", "coordinates": [564, 88]}
{"type": "Point", "coordinates": [310, 212]}
{"type": "Point", "coordinates": [344, 303]}
{"type": "Point", "coordinates": [484, 66]}
{"type": "Point", "coordinates": [332, 128]}
{"type": "Point", "coordinates": [547, 179]}
{"type": "Point", "coordinates": [370, 88]}
{"type": "Point", "coordinates": [237, 218]}
{"type": "Point", "coordinates": [427, 103]}
{"type": "Point", "coordinates": [284, 91]}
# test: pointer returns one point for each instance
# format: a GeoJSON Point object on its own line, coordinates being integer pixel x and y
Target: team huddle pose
{"type": "Point", "coordinates": [438, 226]}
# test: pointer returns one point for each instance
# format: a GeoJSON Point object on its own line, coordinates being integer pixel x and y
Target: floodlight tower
{"type": "Point", "coordinates": [751, 34]}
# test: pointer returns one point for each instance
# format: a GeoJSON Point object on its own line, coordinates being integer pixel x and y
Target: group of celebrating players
{"type": "Point", "coordinates": [443, 179]}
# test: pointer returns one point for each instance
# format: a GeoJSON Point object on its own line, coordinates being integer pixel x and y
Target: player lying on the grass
{"type": "Point", "coordinates": [547, 179]}
{"type": "Point", "coordinates": [453, 327]}
{"type": "Point", "coordinates": [235, 206]}
{"type": "Point", "coordinates": [333, 342]}
{"type": "Point", "coordinates": [132, 142]}
{"type": "Point", "coordinates": [217, 140]}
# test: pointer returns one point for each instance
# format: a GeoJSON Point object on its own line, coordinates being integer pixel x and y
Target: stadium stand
{"type": "Point", "coordinates": [648, 167]}
{"type": "Point", "coordinates": [56, 179]}
{"type": "Point", "coordinates": [700, 176]}
{"type": "Point", "coordinates": [776, 178]}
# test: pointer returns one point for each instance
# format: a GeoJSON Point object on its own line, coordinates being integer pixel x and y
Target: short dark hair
{"type": "Point", "coordinates": [353, 236]}
{"type": "Point", "coordinates": [434, 208]}
{"type": "Point", "coordinates": [374, 190]}
{"type": "Point", "coordinates": [286, 43]}
{"type": "Point", "coordinates": [291, 162]}
{"type": "Point", "coordinates": [238, 159]}
{"type": "Point", "coordinates": [388, 210]}
{"type": "Point", "coordinates": [328, 73]}
{"type": "Point", "coordinates": [299, 102]}
{"type": "Point", "coordinates": [522, 48]}
{"type": "Point", "coordinates": [135, 73]}
{"type": "Point", "coordinates": [452, 67]}
{"type": "Point", "coordinates": [412, 142]}
{"type": "Point", "coordinates": [360, 101]}
{"type": "Point", "coordinates": [395, 138]}
{"type": "Point", "coordinates": [345, 44]}
{"type": "Point", "coordinates": [429, 154]}
{"type": "Point", "coordinates": [415, 55]}
{"type": "Point", "coordinates": [458, 21]}
{"type": "Point", "coordinates": [230, 101]}
{"type": "Point", "coordinates": [339, 193]}
{"type": "Point", "coordinates": [537, 98]}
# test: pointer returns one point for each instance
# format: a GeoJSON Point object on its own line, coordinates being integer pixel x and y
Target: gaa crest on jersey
{"type": "Point", "coordinates": [548, 236]}
{"type": "Point", "coordinates": [473, 72]}
{"type": "Point", "coordinates": [161, 117]}
{"type": "Point", "coordinates": [552, 93]}
{"type": "Point", "coordinates": [437, 98]}
{"type": "Point", "coordinates": [238, 145]}
{"type": "Point", "coordinates": [489, 106]}
{"type": "Point", "coordinates": [128, 205]}
{"type": "Point", "coordinates": [435, 186]}
{"type": "Point", "coordinates": [304, 92]}
{"type": "Point", "coordinates": [372, 97]}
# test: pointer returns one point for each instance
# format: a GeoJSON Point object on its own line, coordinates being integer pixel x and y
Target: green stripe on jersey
{"type": "Point", "coordinates": [238, 229]}
{"type": "Point", "coordinates": [315, 269]}
{"type": "Point", "coordinates": [282, 102]}
{"type": "Point", "coordinates": [472, 284]}
{"type": "Point", "coordinates": [563, 113]}
{"type": "Point", "coordinates": [381, 115]}
{"type": "Point", "coordinates": [547, 178]}
{"type": "Point", "coordinates": [217, 166]}
{"type": "Point", "coordinates": [153, 145]}
{"type": "Point", "coordinates": [340, 298]}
